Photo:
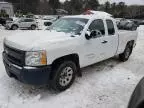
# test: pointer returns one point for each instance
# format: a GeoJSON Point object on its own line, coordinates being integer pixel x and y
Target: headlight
{"type": "Point", "coordinates": [36, 58]}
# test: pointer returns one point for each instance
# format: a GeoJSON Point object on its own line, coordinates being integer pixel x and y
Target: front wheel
{"type": "Point", "coordinates": [64, 76]}
{"type": "Point", "coordinates": [14, 27]}
{"type": "Point", "coordinates": [126, 54]}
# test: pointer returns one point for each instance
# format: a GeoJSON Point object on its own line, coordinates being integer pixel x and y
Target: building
{"type": "Point", "coordinates": [7, 7]}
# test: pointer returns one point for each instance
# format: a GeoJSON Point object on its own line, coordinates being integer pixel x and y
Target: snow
{"type": "Point", "coordinates": [1, 27]}
{"type": "Point", "coordinates": [100, 13]}
{"type": "Point", "coordinates": [108, 84]}
{"type": "Point", "coordinates": [38, 40]}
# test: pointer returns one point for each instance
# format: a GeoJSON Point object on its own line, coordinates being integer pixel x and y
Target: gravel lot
{"type": "Point", "coordinates": [108, 84]}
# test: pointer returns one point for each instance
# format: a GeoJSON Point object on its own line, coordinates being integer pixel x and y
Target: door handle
{"type": "Point", "coordinates": [104, 42]}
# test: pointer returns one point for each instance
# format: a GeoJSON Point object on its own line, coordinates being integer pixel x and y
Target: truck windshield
{"type": "Point", "coordinates": [69, 25]}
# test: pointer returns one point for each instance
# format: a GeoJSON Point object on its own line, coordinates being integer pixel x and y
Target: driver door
{"type": "Point", "coordinates": [21, 23]}
{"type": "Point", "coordinates": [94, 47]}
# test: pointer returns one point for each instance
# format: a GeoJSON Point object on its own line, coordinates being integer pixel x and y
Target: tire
{"type": "Point", "coordinates": [14, 27]}
{"type": "Point", "coordinates": [64, 76]}
{"type": "Point", "coordinates": [127, 52]}
{"type": "Point", "coordinates": [133, 28]}
{"type": "Point", "coordinates": [33, 27]}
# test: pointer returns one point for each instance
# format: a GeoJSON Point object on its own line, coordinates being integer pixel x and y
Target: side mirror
{"type": "Point", "coordinates": [93, 34]}
{"type": "Point", "coordinates": [88, 35]}
{"type": "Point", "coordinates": [96, 34]}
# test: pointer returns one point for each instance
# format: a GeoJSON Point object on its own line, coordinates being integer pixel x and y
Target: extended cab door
{"type": "Point", "coordinates": [110, 41]}
{"type": "Point", "coordinates": [94, 48]}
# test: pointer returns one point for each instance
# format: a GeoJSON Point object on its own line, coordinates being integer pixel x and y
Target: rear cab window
{"type": "Point", "coordinates": [110, 27]}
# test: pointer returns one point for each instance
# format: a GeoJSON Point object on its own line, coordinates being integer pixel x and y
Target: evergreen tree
{"type": "Point", "coordinates": [76, 6]}
{"type": "Point", "coordinates": [122, 8]}
{"type": "Point", "coordinates": [54, 5]}
{"type": "Point", "coordinates": [107, 6]}
{"type": "Point", "coordinates": [91, 4]}
{"type": "Point", "coordinates": [25, 5]}
{"type": "Point", "coordinates": [67, 5]}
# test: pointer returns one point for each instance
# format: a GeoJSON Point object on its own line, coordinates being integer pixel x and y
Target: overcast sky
{"type": "Point", "coordinates": [141, 2]}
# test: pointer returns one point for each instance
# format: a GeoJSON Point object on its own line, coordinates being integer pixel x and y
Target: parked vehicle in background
{"type": "Point", "coordinates": [26, 23]}
{"type": "Point", "coordinates": [136, 21]}
{"type": "Point", "coordinates": [122, 24]}
{"type": "Point", "coordinates": [137, 98]}
{"type": "Point", "coordinates": [43, 24]}
{"type": "Point", "coordinates": [50, 18]}
{"type": "Point", "coordinates": [55, 56]}
{"type": "Point", "coordinates": [30, 16]}
{"type": "Point", "coordinates": [47, 23]}
{"type": "Point", "coordinates": [127, 25]}
{"type": "Point", "coordinates": [2, 21]}
{"type": "Point", "coordinates": [118, 20]}
{"type": "Point", "coordinates": [37, 16]}
{"type": "Point", "coordinates": [11, 19]}
{"type": "Point", "coordinates": [142, 22]}
{"type": "Point", "coordinates": [131, 26]}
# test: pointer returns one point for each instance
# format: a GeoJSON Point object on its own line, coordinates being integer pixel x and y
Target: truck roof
{"type": "Point", "coordinates": [96, 14]}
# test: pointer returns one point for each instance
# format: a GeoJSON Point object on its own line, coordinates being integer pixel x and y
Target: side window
{"type": "Point", "coordinates": [25, 20]}
{"type": "Point", "coordinates": [22, 20]}
{"type": "Point", "coordinates": [97, 25]}
{"type": "Point", "coordinates": [110, 26]}
{"type": "Point", "coordinates": [28, 20]}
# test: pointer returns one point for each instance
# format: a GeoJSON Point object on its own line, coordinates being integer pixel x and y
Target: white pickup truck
{"type": "Point", "coordinates": [55, 56]}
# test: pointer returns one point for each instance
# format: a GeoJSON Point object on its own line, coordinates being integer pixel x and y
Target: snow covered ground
{"type": "Point", "coordinates": [108, 84]}
{"type": "Point", "coordinates": [1, 27]}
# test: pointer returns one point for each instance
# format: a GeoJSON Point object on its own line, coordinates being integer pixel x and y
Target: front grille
{"type": "Point", "coordinates": [14, 55]}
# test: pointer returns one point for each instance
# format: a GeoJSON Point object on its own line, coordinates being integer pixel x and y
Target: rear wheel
{"type": "Point", "coordinates": [127, 52]}
{"type": "Point", "coordinates": [14, 27]}
{"type": "Point", "coordinates": [64, 76]}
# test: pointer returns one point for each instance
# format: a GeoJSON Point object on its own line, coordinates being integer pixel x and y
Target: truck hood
{"type": "Point", "coordinates": [36, 40]}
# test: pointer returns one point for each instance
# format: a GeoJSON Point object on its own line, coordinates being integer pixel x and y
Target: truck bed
{"type": "Point", "coordinates": [124, 37]}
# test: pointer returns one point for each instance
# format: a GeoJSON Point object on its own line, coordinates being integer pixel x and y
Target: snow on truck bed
{"type": "Point", "coordinates": [107, 84]}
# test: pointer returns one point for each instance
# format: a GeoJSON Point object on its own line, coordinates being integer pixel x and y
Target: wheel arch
{"type": "Point", "coordinates": [71, 57]}
{"type": "Point", "coordinates": [14, 25]}
{"type": "Point", "coordinates": [131, 42]}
